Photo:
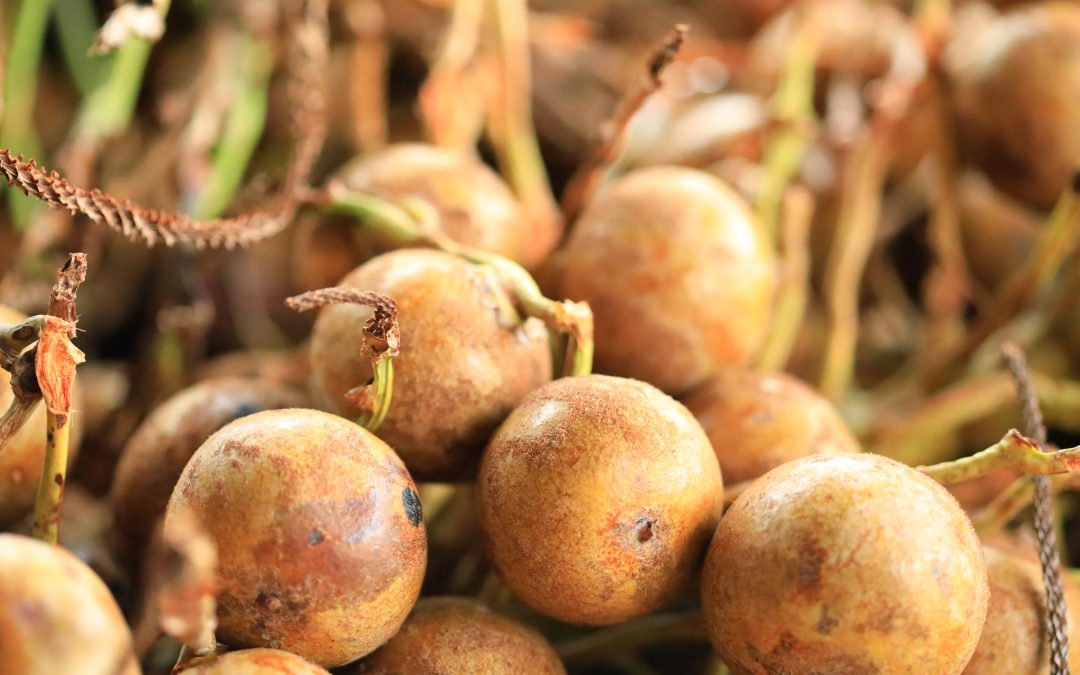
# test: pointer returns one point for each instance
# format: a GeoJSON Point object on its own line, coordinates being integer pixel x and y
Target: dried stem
{"type": "Point", "coordinates": [450, 102]}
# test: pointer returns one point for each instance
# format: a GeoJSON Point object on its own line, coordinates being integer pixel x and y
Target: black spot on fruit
{"type": "Point", "coordinates": [413, 510]}
{"type": "Point", "coordinates": [316, 537]}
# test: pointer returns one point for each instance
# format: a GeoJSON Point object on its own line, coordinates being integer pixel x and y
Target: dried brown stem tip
{"type": "Point", "coordinates": [664, 54]}
{"type": "Point", "coordinates": [381, 332]}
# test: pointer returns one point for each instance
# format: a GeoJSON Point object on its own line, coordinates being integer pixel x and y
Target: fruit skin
{"type": "Point", "coordinates": [474, 205]}
{"type": "Point", "coordinates": [254, 662]}
{"type": "Point", "coordinates": [596, 499]}
{"type": "Point", "coordinates": [458, 635]}
{"type": "Point", "coordinates": [693, 286]}
{"type": "Point", "coordinates": [1014, 84]}
{"type": "Point", "coordinates": [844, 564]}
{"type": "Point", "coordinates": [20, 462]}
{"type": "Point", "coordinates": [1014, 640]}
{"type": "Point", "coordinates": [56, 615]}
{"type": "Point", "coordinates": [459, 372]}
{"type": "Point", "coordinates": [320, 538]}
{"type": "Point", "coordinates": [758, 421]}
{"type": "Point", "coordinates": [157, 452]}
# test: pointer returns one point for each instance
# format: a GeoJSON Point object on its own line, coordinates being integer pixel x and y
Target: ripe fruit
{"type": "Point", "coordinates": [758, 421]}
{"type": "Point", "coordinates": [1014, 83]}
{"type": "Point", "coordinates": [457, 635]}
{"type": "Point", "coordinates": [321, 544]}
{"type": "Point", "coordinates": [844, 563]}
{"type": "Point", "coordinates": [693, 285]}
{"type": "Point", "coordinates": [460, 370]}
{"type": "Point", "coordinates": [254, 662]}
{"type": "Point", "coordinates": [56, 615]}
{"type": "Point", "coordinates": [159, 449]}
{"type": "Point", "coordinates": [597, 497]}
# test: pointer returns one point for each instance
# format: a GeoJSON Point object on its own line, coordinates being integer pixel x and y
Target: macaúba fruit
{"type": "Point", "coordinates": [597, 497]}
{"type": "Point", "coordinates": [320, 537]}
{"type": "Point", "coordinates": [459, 635]}
{"type": "Point", "coordinates": [1013, 83]}
{"type": "Point", "coordinates": [56, 615]}
{"type": "Point", "coordinates": [461, 368]}
{"type": "Point", "coordinates": [847, 563]}
{"type": "Point", "coordinates": [693, 284]}
{"type": "Point", "coordinates": [157, 452]}
{"type": "Point", "coordinates": [474, 205]}
{"type": "Point", "coordinates": [758, 421]}
{"type": "Point", "coordinates": [253, 662]}
{"type": "Point", "coordinates": [22, 457]}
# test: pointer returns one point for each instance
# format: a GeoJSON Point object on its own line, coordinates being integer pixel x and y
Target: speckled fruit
{"type": "Point", "coordinates": [56, 615]}
{"type": "Point", "coordinates": [1014, 638]}
{"type": "Point", "coordinates": [679, 275]}
{"type": "Point", "coordinates": [475, 206]}
{"type": "Point", "coordinates": [1014, 84]}
{"type": "Point", "coordinates": [844, 564]}
{"type": "Point", "coordinates": [254, 662]}
{"type": "Point", "coordinates": [758, 421]}
{"type": "Point", "coordinates": [459, 373]}
{"type": "Point", "coordinates": [597, 498]}
{"type": "Point", "coordinates": [456, 635]}
{"type": "Point", "coordinates": [20, 462]}
{"type": "Point", "coordinates": [320, 537]}
{"type": "Point", "coordinates": [159, 449]}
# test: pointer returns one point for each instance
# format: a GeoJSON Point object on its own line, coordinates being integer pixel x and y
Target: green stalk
{"type": "Point", "coordinates": [383, 392]}
{"type": "Point", "coordinates": [50, 493]}
{"type": "Point", "coordinates": [76, 23]}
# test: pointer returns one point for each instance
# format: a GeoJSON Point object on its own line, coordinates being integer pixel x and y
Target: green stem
{"type": "Point", "coordinates": [793, 294]}
{"type": "Point", "coordinates": [76, 24]}
{"type": "Point", "coordinates": [50, 494]}
{"type": "Point", "coordinates": [1011, 452]}
{"type": "Point", "coordinates": [382, 392]}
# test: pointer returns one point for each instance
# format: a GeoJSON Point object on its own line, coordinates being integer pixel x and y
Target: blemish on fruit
{"type": "Point", "coordinates": [644, 530]}
{"type": "Point", "coordinates": [413, 509]}
{"type": "Point", "coordinates": [316, 537]}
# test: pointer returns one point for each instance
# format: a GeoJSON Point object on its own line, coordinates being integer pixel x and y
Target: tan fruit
{"type": "Point", "coordinates": [254, 662]}
{"type": "Point", "coordinates": [758, 421]}
{"type": "Point", "coordinates": [56, 615]}
{"type": "Point", "coordinates": [457, 635]}
{"type": "Point", "coordinates": [844, 564]}
{"type": "Point", "coordinates": [460, 370]}
{"type": "Point", "coordinates": [597, 497]}
{"type": "Point", "coordinates": [679, 275]}
{"type": "Point", "coordinates": [159, 449]}
{"type": "Point", "coordinates": [320, 538]}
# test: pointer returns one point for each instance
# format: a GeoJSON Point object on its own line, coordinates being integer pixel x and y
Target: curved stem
{"type": "Point", "coordinates": [50, 492]}
{"type": "Point", "coordinates": [794, 281]}
{"type": "Point", "coordinates": [1011, 452]}
{"type": "Point", "coordinates": [382, 392]}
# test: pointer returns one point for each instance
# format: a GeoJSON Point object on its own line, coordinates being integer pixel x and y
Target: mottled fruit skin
{"type": "Point", "coordinates": [1014, 84]}
{"type": "Point", "coordinates": [1014, 640]}
{"type": "Point", "coordinates": [459, 372]}
{"type": "Point", "coordinates": [474, 205]}
{"type": "Point", "coordinates": [597, 498]}
{"type": "Point", "coordinates": [20, 462]}
{"type": "Point", "coordinates": [255, 662]}
{"type": "Point", "coordinates": [446, 636]}
{"type": "Point", "coordinates": [319, 530]}
{"type": "Point", "coordinates": [845, 564]}
{"type": "Point", "coordinates": [679, 275]}
{"type": "Point", "coordinates": [56, 615]}
{"type": "Point", "coordinates": [758, 421]}
{"type": "Point", "coordinates": [157, 452]}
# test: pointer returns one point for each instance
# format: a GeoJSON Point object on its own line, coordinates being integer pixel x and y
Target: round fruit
{"type": "Point", "coordinates": [597, 498]}
{"type": "Point", "coordinates": [56, 615]}
{"type": "Point", "coordinates": [456, 635]}
{"type": "Point", "coordinates": [694, 281]}
{"type": "Point", "coordinates": [1014, 84]}
{"type": "Point", "coordinates": [758, 421]}
{"type": "Point", "coordinates": [254, 662]}
{"type": "Point", "coordinates": [460, 370]}
{"type": "Point", "coordinates": [474, 205]}
{"type": "Point", "coordinates": [21, 458]}
{"type": "Point", "coordinates": [159, 449]}
{"type": "Point", "coordinates": [848, 563]}
{"type": "Point", "coordinates": [320, 538]}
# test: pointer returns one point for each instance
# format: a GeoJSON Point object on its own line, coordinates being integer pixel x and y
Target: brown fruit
{"type": "Point", "coordinates": [254, 662]}
{"type": "Point", "coordinates": [999, 234]}
{"type": "Point", "coordinates": [844, 564]}
{"type": "Point", "coordinates": [475, 206]}
{"type": "Point", "coordinates": [1014, 638]}
{"type": "Point", "coordinates": [460, 370]}
{"type": "Point", "coordinates": [21, 459]}
{"type": "Point", "coordinates": [597, 497]}
{"type": "Point", "coordinates": [159, 449]}
{"type": "Point", "coordinates": [1014, 83]}
{"type": "Point", "coordinates": [457, 635]}
{"type": "Point", "coordinates": [320, 538]}
{"type": "Point", "coordinates": [56, 615]}
{"type": "Point", "coordinates": [693, 284]}
{"type": "Point", "coordinates": [758, 421]}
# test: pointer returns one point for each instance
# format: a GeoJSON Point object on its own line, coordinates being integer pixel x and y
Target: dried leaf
{"type": "Point", "coordinates": [55, 364]}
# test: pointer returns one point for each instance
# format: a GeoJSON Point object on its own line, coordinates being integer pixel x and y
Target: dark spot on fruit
{"type": "Point", "coordinates": [269, 601]}
{"type": "Point", "coordinates": [59, 479]}
{"type": "Point", "coordinates": [644, 530]}
{"type": "Point", "coordinates": [413, 509]}
{"type": "Point", "coordinates": [826, 623]}
{"type": "Point", "coordinates": [808, 570]}
{"type": "Point", "coordinates": [316, 537]}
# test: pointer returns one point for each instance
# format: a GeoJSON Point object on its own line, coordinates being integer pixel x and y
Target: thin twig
{"type": "Point", "coordinates": [1011, 452]}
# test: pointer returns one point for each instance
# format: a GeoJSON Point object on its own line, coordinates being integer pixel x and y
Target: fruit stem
{"type": "Point", "coordinates": [16, 337]}
{"type": "Point", "coordinates": [1014, 499]}
{"type": "Point", "coordinates": [794, 280]}
{"type": "Point", "coordinates": [1011, 452]}
{"type": "Point", "coordinates": [50, 494]}
{"type": "Point", "coordinates": [626, 637]}
{"type": "Point", "coordinates": [383, 392]}
{"type": "Point", "coordinates": [452, 114]}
